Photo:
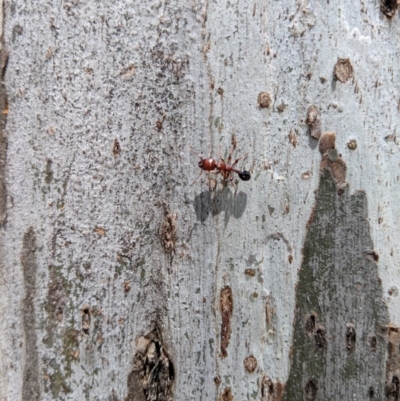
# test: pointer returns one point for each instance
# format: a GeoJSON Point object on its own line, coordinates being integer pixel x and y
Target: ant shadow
{"type": "Point", "coordinates": [215, 202]}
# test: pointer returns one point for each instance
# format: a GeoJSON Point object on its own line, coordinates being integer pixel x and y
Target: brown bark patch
{"type": "Point", "coordinates": [352, 144]}
{"type": "Point", "coordinates": [314, 122]}
{"type": "Point", "coordinates": [331, 160]}
{"type": "Point", "coordinates": [116, 148]}
{"type": "Point", "coordinates": [250, 364]}
{"type": "Point", "coordinates": [226, 307]}
{"type": "Point", "coordinates": [264, 100]}
{"type": "Point", "coordinates": [250, 272]}
{"type": "Point", "coordinates": [293, 137]}
{"type": "Point", "coordinates": [343, 70]}
{"type": "Point", "coordinates": [153, 374]}
{"type": "Point", "coordinates": [226, 395]}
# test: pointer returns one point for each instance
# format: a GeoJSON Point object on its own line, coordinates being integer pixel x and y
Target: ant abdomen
{"type": "Point", "coordinates": [244, 175]}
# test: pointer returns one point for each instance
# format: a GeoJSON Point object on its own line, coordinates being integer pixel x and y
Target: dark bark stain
{"type": "Point", "coordinates": [153, 374]}
{"type": "Point", "coordinates": [226, 395]}
{"type": "Point", "coordinates": [339, 312]}
{"type": "Point", "coordinates": [389, 7]}
{"type": "Point", "coordinates": [30, 386]}
{"type": "Point", "coordinates": [351, 338]}
{"type": "Point", "coordinates": [226, 306]}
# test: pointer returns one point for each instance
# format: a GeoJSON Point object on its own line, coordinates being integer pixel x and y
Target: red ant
{"type": "Point", "coordinates": [225, 168]}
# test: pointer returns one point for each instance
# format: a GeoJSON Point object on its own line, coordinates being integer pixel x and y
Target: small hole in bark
{"type": "Point", "coordinates": [85, 320]}
{"type": "Point", "coordinates": [371, 392]}
{"type": "Point", "coordinates": [320, 338]}
{"type": "Point", "coordinates": [310, 324]}
{"type": "Point", "coordinates": [389, 7]}
{"type": "Point", "coordinates": [352, 144]}
{"type": "Point", "coordinates": [372, 343]}
{"type": "Point", "coordinates": [217, 380]}
{"type": "Point", "coordinates": [350, 338]}
{"type": "Point", "coordinates": [310, 390]}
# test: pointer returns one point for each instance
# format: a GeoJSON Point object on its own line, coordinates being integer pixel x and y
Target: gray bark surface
{"type": "Point", "coordinates": [122, 281]}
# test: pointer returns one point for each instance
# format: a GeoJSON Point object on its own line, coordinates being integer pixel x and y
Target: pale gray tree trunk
{"type": "Point", "coordinates": [122, 281]}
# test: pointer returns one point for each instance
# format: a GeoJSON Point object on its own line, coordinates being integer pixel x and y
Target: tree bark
{"type": "Point", "coordinates": [120, 280]}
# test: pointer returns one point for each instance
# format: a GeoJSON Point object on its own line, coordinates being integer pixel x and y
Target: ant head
{"type": "Point", "coordinates": [244, 175]}
{"type": "Point", "coordinates": [201, 163]}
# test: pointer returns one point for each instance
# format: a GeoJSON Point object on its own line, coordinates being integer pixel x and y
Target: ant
{"type": "Point", "coordinates": [225, 168]}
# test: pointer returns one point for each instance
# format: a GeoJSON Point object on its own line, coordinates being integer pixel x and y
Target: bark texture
{"type": "Point", "coordinates": [122, 281]}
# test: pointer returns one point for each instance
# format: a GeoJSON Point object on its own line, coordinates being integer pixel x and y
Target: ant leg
{"type": "Point", "coordinates": [201, 172]}
{"type": "Point", "coordinates": [220, 154]}
{"type": "Point", "coordinates": [231, 153]}
{"type": "Point", "coordinates": [199, 156]}
{"type": "Point", "coordinates": [240, 158]}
